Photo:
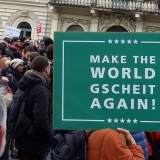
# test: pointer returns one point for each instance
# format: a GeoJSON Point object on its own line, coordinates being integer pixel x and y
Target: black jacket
{"type": "Point", "coordinates": [12, 53]}
{"type": "Point", "coordinates": [40, 137]}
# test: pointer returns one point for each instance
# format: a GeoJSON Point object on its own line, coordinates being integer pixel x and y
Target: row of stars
{"type": "Point", "coordinates": [116, 41]}
{"type": "Point", "coordinates": [122, 120]}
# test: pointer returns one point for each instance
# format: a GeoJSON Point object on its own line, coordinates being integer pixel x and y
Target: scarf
{"type": "Point", "coordinates": [44, 78]}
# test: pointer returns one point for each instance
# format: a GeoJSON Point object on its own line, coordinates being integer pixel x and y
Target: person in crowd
{"type": "Point", "coordinates": [42, 52]}
{"type": "Point", "coordinates": [155, 136]}
{"type": "Point", "coordinates": [47, 42]}
{"type": "Point", "coordinates": [31, 58]}
{"type": "Point", "coordinates": [41, 43]}
{"type": "Point", "coordinates": [117, 145]}
{"type": "Point", "coordinates": [3, 57]}
{"type": "Point", "coordinates": [23, 48]}
{"type": "Point", "coordinates": [3, 117]}
{"type": "Point", "coordinates": [28, 50]}
{"type": "Point", "coordinates": [14, 46]}
{"type": "Point", "coordinates": [140, 139]}
{"type": "Point", "coordinates": [14, 74]}
{"type": "Point", "coordinates": [39, 138]}
{"type": "Point", "coordinates": [34, 44]}
{"type": "Point", "coordinates": [24, 40]}
{"type": "Point", "coordinates": [7, 40]}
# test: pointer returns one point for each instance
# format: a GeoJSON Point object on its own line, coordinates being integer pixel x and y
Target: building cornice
{"type": "Point", "coordinates": [24, 3]}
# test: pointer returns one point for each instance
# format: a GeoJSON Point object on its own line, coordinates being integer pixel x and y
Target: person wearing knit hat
{"type": "Point", "coordinates": [15, 62]}
{"type": "Point", "coordinates": [14, 74]}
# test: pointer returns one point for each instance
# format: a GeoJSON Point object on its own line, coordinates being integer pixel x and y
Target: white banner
{"type": "Point", "coordinates": [11, 32]}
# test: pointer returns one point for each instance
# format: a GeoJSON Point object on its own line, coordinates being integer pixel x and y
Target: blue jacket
{"type": "Point", "coordinates": [14, 76]}
{"type": "Point", "coordinates": [140, 139]}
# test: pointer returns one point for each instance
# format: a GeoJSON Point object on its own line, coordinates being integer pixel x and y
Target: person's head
{"type": "Point", "coordinates": [2, 49]}
{"type": "Point", "coordinates": [49, 52]}
{"type": "Point", "coordinates": [24, 39]}
{"type": "Point", "coordinates": [48, 41]}
{"type": "Point", "coordinates": [7, 40]}
{"type": "Point", "coordinates": [16, 42]}
{"type": "Point", "coordinates": [17, 64]}
{"type": "Point", "coordinates": [41, 64]}
{"type": "Point", "coordinates": [3, 117]}
{"type": "Point", "coordinates": [28, 50]}
{"type": "Point", "coordinates": [42, 52]}
{"type": "Point", "coordinates": [31, 57]}
{"type": "Point", "coordinates": [41, 42]}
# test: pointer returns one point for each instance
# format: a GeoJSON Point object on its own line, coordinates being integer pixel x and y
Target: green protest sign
{"type": "Point", "coordinates": [107, 80]}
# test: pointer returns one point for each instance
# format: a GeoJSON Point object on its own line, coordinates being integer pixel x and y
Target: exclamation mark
{"type": "Point", "coordinates": [153, 104]}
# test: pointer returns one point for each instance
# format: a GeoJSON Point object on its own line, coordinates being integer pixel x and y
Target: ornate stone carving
{"type": "Point", "coordinates": [71, 21]}
{"type": "Point", "coordinates": [107, 21]}
{"type": "Point", "coordinates": [19, 14]}
{"type": "Point", "coordinates": [25, 13]}
{"type": "Point", "coordinates": [152, 29]}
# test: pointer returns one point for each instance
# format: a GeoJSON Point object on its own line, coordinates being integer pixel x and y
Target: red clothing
{"type": "Point", "coordinates": [155, 138]}
{"type": "Point", "coordinates": [106, 144]}
{"type": "Point", "coordinates": [14, 47]}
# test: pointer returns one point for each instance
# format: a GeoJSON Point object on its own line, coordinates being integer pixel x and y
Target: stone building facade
{"type": "Point", "coordinates": [79, 15]}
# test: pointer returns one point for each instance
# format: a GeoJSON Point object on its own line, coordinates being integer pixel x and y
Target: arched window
{"type": "Point", "coordinates": [25, 29]}
{"type": "Point", "coordinates": [117, 29]}
{"type": "Point", "coordinates": [75, 28]}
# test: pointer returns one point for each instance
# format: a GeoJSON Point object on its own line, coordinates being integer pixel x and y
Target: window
{"type": "Point", "coordinates": [117, 29]}
{"type": "Point", "coordinates": [25, 29]}
{"type": "Point", "coordinates": [75, 28]}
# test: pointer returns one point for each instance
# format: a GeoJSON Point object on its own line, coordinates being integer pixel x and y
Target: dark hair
{"type": "Point", "coordinates": [22, 39]}
{"type": "Point", "coordinates": [49, 52]}
{"type": "Point", "coordinates": [40, 63]}
{"type": "Point", "coordinates": [43, 50]}
{"type": "Point", "coordinates": [14, 39]}
{"type": "Point", "coordinates": [2, 49]}
{"type": "Point", "coordinates": [6, 39]}
{"type": "Point", "coordinates": [29, 48]}
{"type": "Point", "coordinates": [33, 55]}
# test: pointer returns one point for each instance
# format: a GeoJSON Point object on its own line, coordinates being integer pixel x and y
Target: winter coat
{"type": "Point", "coordinates": [140, 139]}
{"type": "Point", "coordinates": [13, 76]}
{"type": "Point", "coordinates": [156, 139]}
{"type": "Point", "coordinates": [40, 137]}
{"type": "Point", "coordinates": [106, 144]}
{"type": "Point", "coordinates": [13, 53]}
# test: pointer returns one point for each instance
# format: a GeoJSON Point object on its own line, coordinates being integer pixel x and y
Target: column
{"type": "Point", "coordinates": [94, 25]}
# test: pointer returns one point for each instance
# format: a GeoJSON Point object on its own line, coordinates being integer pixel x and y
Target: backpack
{"type": "Point", "coordinates": [18, 122]}
{"type": "Point", "coordinates": [70, 147]}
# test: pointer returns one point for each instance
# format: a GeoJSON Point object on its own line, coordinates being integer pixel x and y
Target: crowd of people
{"type": "Point", "coordinates": [27, 64]}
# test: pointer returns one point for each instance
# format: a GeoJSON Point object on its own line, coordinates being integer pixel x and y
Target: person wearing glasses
{"type": "Point", "coordinates": [14, 47]}
{"type": "Point", "coordinates": [14, 74]}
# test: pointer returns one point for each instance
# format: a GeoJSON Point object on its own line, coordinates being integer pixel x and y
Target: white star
{"type": "Point", "coordinates": [135, 41]}
{"type": "Point", "coordinates": [122, 120]}
{"type": "Point", "coordinates": [135, 120]}
{"type": "Point", "coordinates": [128, 121]}
{"type": "Point", "coordinates": [122, 41]}
{"type": "Point", "coordinates": [116, 41]}
{"type": "Point", "coordinates": [109, 120]}
{"type": "Point", "coordinates": [129, 41]}
{"type": "Point", "coordinates": [116, 120]}
{"type": "Point", "coordinates": [109, 41]}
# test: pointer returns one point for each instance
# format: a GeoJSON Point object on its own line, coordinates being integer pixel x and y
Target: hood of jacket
{"type": "Point", "coordinates": [29, 80]}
